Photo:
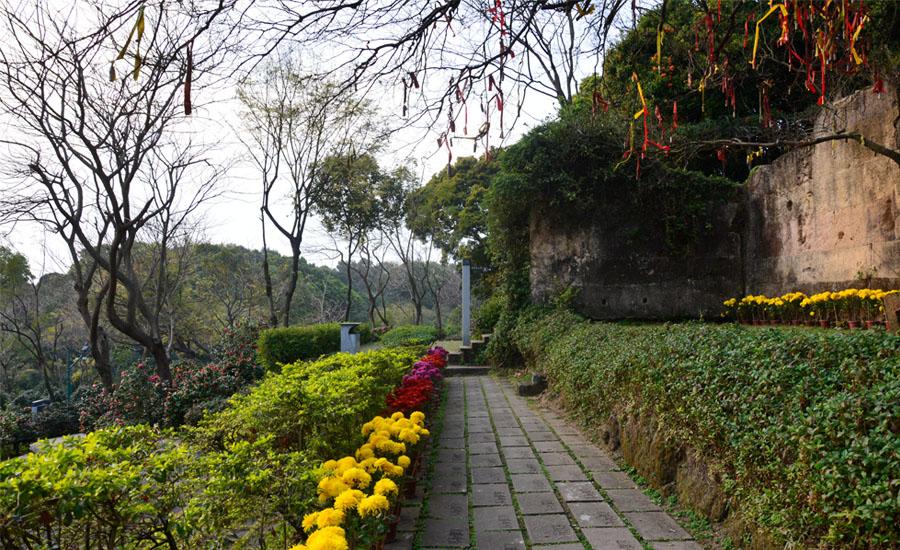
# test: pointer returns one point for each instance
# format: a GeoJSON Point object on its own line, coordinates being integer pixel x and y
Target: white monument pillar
{"type": "Point", "coordinates": [466, 303]}
{"type": "Point", "coordinates": [349, 338]}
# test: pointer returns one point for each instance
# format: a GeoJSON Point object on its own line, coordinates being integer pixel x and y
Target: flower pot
{"type": "Point", "coordinates": [757, 322]}
{"type": "Point", "coordinates": [853, 325]}
{"type": "Point", "coordinates": [391, 535]}
{"type": "Point", "coordinates": [824, 323]}
{"type": "Point", "coordinates": [773, 322]}
{"type": "Point", "coordinates": [810, 323]}
{"type": "Point", "coordinates": [869, 325]}
{"type": "Point", "coordinates": [795, 322]}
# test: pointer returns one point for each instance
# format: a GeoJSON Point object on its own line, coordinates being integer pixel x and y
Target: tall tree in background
{"type": "Point", "coordinates": [294, 122]}
{"type": "Point", "coordinates": [349, 206]}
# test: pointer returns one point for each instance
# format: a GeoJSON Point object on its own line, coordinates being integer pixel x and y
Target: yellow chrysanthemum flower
{"type": "Point", "coordinates": [357, 477]}
{"type": "Point", "coordinates": [403, 461]}
{"type": "Point", "coordinates": [386, 487]}
{"type": "Point", "coordinates": [349, 499]}
{"type": "Point", "coordinates": [330, 517]}
{"type": "Point", "coordinates": [329, 538]}
{"type": "Point", "coordinates": [373, 506]}
{"type": "Point", "coordinates": [309, 521]}
{"type": "Point", "coordinates": [331, 487]}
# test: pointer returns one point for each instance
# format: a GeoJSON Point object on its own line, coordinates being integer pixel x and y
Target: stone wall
{"type": "Point", "coordinates": [817, 218]}
{"type": "Point", "coordinates": [826, 216]}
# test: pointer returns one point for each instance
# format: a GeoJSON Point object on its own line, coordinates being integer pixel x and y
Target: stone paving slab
{"type": "Point", "coordinates": [446, 533]}
{"type": "Point", "coordinates": [499, 540]}
{"type": "Point", "coordinates": [595, 514]}
{"type": "Point", "coordinates": [657, 526]}
{"type": "Point", "coordinates": [631, 500]}
{"type": "Point", "coordinates": [509, 476]}
{"type": "Point", "coordinates": [611, 538]}
{"type": "Point", "coordinates": [539, 503]}
{"type": "Point", "coordinates": [496, 518]}
{"type": "Point", "coordinates": [550, 528]}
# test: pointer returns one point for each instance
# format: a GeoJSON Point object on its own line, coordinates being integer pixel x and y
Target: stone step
{"type": "Point", "coordinates": [462, 370]}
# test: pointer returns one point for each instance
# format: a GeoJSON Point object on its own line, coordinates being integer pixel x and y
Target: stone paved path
{"type": "Point", "coordinates": [508, 476]}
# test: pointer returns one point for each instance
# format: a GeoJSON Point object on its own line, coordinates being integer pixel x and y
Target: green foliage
{"type": "Point", "coordinates": [279, 346]}
{"type": "Point", "coordinates": [243, 477]}
{"type": "Point", "coordinates": [802, 422]}
{"type": "Point", "coordinates": [451, 209]}
{"type": "Point", "coordinates": [410, 335]}
{"type": "Point", "coordinates": [488, 314]}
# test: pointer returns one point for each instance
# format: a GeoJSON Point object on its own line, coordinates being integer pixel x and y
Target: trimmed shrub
{"type": "Point", "coordinates": [409, 335]}
{"type": "Point", "coordinates": [803, 423]}
{"type": "Point", "coordinates": [245, 475]}
{"type": "Point", "coordinates": [284, 345]}
{"type": "Point", "coordinates": [488, 314]}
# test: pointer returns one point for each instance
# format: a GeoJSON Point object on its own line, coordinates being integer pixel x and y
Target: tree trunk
{"type": "Point", "coordinates": [349, 292]}
{"type": "Point", "coordinates": [158, 350]}
{"type": "Point", "coordinates": [292, 283]}
{"type": "Point", "coordinates": [267, 276]}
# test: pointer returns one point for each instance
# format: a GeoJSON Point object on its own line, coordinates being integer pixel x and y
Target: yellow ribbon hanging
{"type": "Point", "coordinates": [856, 57]}
{"type": "Point", "coordinates": [772, 10]}
{"type": "Point", "coordinates": [137, 29]}
{"type": "Point", "coordinates": [638, 114]}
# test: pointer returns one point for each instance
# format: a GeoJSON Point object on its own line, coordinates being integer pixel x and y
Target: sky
{"type": "Point", "coordinates": [233, 216]}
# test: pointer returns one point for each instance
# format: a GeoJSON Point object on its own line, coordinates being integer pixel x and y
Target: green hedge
{"type": "Point", "coordinates": [243, 478]}
{"type": "Point", "coordinates": [283, 345]}
{"type": "Point", "coordinates": [410, 335]}
{"type": "Point", "coordinates": [804, 422]}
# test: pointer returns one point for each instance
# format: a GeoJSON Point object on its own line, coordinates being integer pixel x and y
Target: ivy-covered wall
{"type": "Point", "coordinates": [620, 265]}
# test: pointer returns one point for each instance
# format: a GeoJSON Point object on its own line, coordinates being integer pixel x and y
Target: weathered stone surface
{"type": "Point", "coordinates": [491, 494]}
{"type": "Point", "coordinates": [513, 441]}
{"type": "Point", "coordinates": [815, 218]}
{"type": "Point", "coordinates": [538, 503]}
{"type": "Point", "coordinates": [594, 514]}
{"type": "Point", "coordinates": [578, 491]}
{"type": "Point", "coordinates": [550, 528]}
{"type": "Point", "coordinates": [446, 533]}
{"type": "Point", "coordinates": [518, 452]}
{"type": "Point", "coordinates": [557, 459]}
{"type": "Point", "coordinates": [449, 483]}
{"type": "Point", "coordinates": [488, 475]}
{"type": "Point", "coordinates": [448, 506]}
{"type": "Point", "coordinates": [451, 455]}
{"type": "Point", "coordinates": [656, 526]}
{"type": "Point", "coordinates": [499, 540]}
{"type": "Point", "coordinates": [631, 500]}
{"type": "Point", "coordinates": [549, 447]}
{"type": "Point", "coordinates": [566, 473]}
{"type": "Point", "coordinates": [530, 483]}
{"type": "Point", "coordinates": [495, 518]}
{"type": "Point", "coordinates": [484, 461]}
{"type": "Point", "coordinates": [482, 448]}
{"type": "Point", "coordinates": [611, 538]}
{"type": "Point", "coordinates": [539, 435]}
{"type": "Point", "coordinates": [523, 465]}
{"type": "Point", "coordinates": [482, 437]}
{"type": "Point", "coordinates": [614, 480]}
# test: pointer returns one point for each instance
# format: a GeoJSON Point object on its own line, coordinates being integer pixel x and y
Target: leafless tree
{"type": "Point", "coordinates": [97, 154]}
{"type": "Point", "coordinates": [374, 274]}
{"type": "Point", "coordinates": [293, 121]}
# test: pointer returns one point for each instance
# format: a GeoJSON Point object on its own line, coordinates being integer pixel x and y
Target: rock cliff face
{"type": "Point", "coordinates": [819, 217]}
